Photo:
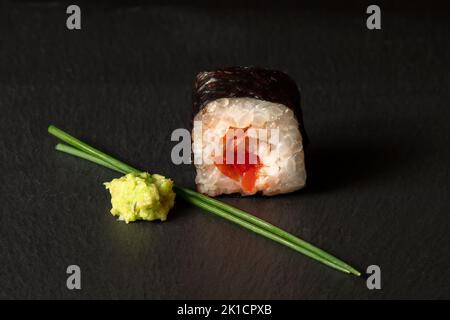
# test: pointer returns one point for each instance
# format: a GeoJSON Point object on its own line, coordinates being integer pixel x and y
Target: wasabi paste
{"type": "Point", "coordinates": [141, 196]}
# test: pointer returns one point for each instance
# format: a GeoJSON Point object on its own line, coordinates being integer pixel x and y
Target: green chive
{"type": "Point", "coordinates": [256, 229]}
{"type": "Point", "coordinates": [270, 227]}
{"type": "Point", "coordinates": [216, 207]}
{"type": "Point", "coordinates": [81, 154]}
{"type": "Point", "coordinates": [67, 138]}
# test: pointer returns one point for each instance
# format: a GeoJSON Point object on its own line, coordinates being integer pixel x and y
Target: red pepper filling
{"type": "Point", "coordinates": [246, 172]}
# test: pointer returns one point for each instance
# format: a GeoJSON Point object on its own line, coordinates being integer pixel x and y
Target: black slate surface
{"type": "Point", "coordinates": [376, 107]}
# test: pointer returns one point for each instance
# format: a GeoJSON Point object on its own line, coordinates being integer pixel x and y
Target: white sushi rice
{"type": "Point", "coordinates": [283, 168]}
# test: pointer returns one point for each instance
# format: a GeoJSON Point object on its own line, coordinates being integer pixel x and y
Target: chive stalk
{"type": "Point", "coordinates": [81, 154]}
{"type": "Point", "coordinates": [263, 224]}
{"type": "Point", "coordinates": [67, 138]}
{"type": "Point", "coordinates": [242, 218]}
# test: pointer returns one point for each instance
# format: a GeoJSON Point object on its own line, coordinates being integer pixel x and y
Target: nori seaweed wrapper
{"type": "Point", "coordinates": [248, 82]}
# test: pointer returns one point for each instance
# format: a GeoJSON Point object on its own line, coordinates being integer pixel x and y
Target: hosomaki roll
{"type": "Point", "coordinates": [248, 134]}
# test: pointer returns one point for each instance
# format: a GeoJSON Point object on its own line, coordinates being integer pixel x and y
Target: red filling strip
{"type": "Point", "coordinates": [246, 172]}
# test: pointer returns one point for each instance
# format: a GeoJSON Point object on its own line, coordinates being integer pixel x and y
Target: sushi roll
{"type": "Point", "coordinates": [248, 134]}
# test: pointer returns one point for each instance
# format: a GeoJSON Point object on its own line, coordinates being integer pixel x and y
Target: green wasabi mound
{"type": "Point", "coordinates": [141, 196]}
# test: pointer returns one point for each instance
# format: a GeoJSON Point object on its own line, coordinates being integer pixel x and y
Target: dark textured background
{"type": "Point", "coordinates": [376, 107]}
